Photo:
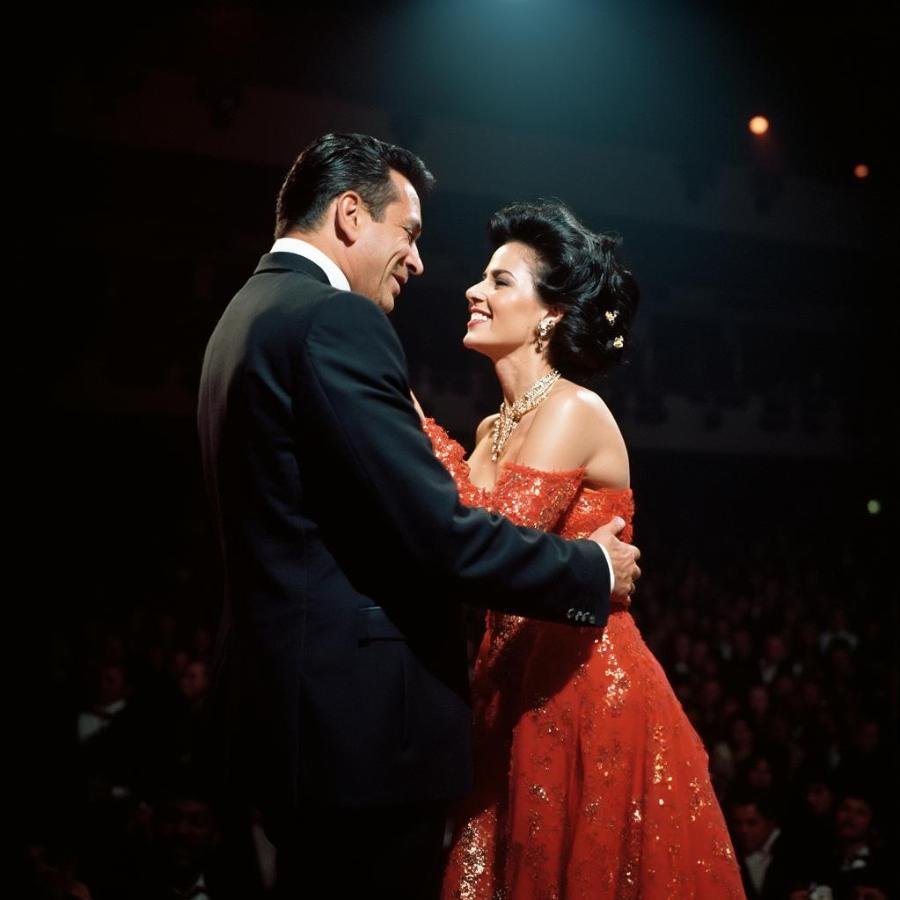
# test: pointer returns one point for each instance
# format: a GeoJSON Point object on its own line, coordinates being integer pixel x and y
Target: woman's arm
{"type": "Point", "coordinates": [418, 407]}
{"type": "Point", "coordinates": [360, 418]}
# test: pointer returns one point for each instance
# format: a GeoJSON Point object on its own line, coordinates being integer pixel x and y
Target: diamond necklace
{"type": "Point", "coordinates": [505, 423]}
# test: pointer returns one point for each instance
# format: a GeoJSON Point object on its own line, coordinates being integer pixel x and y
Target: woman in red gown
{"type": "Point", "coordinates": [590, 781]}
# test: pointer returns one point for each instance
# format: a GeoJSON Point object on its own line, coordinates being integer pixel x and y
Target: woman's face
{"type": "Point", "coordinates": [761, 775]}
{"type": "Point", "coordinates": [819, 798]}
{"type": "Point", "coordinates": [504, 307]}
{"type": "Point", "coordinates": [741, 733]}
{"type": "Point", "coordinates": [758, 699]}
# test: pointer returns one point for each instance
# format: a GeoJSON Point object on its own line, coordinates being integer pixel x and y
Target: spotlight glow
{"type": "Point", "coordinates": [759, 125]}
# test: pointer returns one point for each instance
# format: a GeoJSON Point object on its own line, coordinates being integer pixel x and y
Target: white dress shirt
{"type": "Point", "coordinates": [336, 277]}
{"type": "Point", "coordinates": [759, 861]}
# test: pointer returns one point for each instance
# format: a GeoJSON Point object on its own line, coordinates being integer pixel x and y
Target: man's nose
{"type": "Point", "coordinates": [414, 260]}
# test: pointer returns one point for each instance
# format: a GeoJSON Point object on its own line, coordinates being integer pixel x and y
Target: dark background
{"type": "Point", "coordinates": [133, 239]}
{"type": "Point", "coordinates": [147, 148]}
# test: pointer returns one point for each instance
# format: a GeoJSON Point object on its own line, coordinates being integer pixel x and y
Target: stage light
{"type": "Point", "coordinates": [874, 507]}
{"type": "Point", "coordinates": [861, 170]}
{"type": "Point", "coordinates": [759, 125]}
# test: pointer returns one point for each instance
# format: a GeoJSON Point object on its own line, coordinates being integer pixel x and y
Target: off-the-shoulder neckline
{"type": "Point", "coordinates": [513, 466]}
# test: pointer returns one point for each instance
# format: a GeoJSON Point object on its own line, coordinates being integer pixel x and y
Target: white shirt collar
{"type": "Point", "coordinates": [336, 277]}
{"type": "Point", "coordinates": [766, 849]}
{"type": "Point", "coordinates": [198, 889]}
{"type": "Point", "coordinates": [758, 862]}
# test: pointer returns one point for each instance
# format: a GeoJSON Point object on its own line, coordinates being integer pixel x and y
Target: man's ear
{"type": "Point", "coordinates": [349, 215]}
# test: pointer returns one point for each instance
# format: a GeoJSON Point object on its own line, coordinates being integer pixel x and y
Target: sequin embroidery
{"type": "Point", "coordinates": [590, 781]}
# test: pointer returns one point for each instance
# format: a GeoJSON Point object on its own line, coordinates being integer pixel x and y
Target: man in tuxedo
{"type": "Point", "coordinates": [772, 865]}
{"type": "Point", "coordinates": [340, 696]}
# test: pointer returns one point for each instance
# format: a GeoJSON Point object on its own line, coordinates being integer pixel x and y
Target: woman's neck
{"type": "Point", "coordinates": [518, 371]}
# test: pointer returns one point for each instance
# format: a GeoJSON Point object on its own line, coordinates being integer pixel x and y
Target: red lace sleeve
{"type": "Point", "coordinates": [533, 497]}
{"type": "Point", "coordinates": [449, 452]}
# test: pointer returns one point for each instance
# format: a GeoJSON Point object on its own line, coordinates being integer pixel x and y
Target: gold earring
{"type": "Point", "coordinates": [543, 330]}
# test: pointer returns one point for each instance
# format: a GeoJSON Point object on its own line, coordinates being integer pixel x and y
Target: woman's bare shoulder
{"type": "Point", "coordinates": [574, 407]}
{"type": "Point", "coordinates": [575, 428]}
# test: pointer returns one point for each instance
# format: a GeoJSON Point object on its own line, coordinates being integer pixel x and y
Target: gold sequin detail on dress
{"type": "Point", "coordinates": [590, 781]}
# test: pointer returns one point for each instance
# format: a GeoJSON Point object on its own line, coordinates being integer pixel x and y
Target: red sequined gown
{"type": "Point", "coordinates": [590, 781]}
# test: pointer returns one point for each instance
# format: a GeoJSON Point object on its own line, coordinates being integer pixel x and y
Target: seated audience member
{"type": "Point", "coordinates": [110, 697]}
{"type": "Point", "coordinates": [183, 854]}
{"type": "Point", "coordinates": [860, 861]}
{"type": "Point", "coordinates": [813, 814]}
{"type": "Point", "coordinates": [770, 865]}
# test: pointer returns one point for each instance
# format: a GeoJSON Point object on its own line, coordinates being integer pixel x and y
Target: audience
{"type": "Point", "coordinates": [793, 695]}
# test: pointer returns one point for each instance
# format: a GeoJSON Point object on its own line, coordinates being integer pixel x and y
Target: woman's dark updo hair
{"type": "Point", "coordinates": [578, 271]}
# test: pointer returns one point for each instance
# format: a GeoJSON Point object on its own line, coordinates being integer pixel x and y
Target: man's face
{"type": "Point", "coordinates": [853, 819]}
{"type": "Point", "coordinates": [193, 681]}
{"type": "Point", "coordinates": [385, 255]}
{"type": "Point", "coordinates": [751, 828]}
{"type": "Point", "coordinates": [186, 833]}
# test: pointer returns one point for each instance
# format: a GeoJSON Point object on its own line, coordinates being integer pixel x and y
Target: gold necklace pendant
{"type": "Point", "coordinates": [505, 423]}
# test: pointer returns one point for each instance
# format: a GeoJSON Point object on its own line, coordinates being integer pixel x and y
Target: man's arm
{"type": "Point", "coordinates": [359, 390]}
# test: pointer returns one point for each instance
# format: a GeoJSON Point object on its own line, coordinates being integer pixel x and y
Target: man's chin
{"type": "Point", "coordinates": [386, 302]}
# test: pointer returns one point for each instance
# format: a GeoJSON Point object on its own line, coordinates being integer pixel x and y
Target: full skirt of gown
{"type": "Point", "coordinates": [590, 780]}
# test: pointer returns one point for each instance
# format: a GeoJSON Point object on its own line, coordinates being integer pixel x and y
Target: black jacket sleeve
{"type": "Point", "coordinates": [355, 374]}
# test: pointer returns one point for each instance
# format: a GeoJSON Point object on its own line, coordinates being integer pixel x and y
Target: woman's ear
{"type": "Point", "coordinates": [555, 313]}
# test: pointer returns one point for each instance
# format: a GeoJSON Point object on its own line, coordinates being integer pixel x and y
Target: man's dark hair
{"type": "Point", "coordinates": [765, 802]}
{"type": "Point", "coordinates": [335, 163]}
{"type": "Point", "coordinates": [858, 788]}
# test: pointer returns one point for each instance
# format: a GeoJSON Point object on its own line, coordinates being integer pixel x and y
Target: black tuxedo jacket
{"type": "Point", "coordinates": [341, 673]}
